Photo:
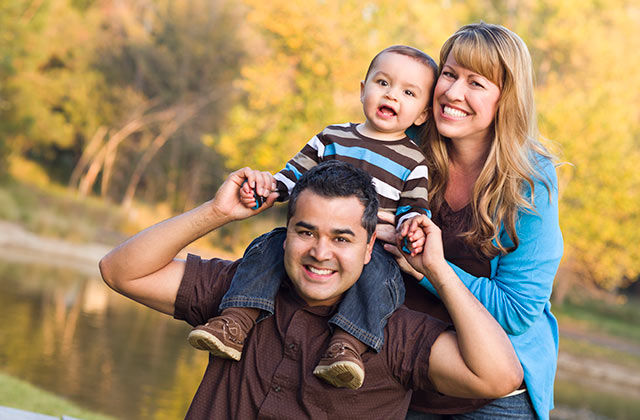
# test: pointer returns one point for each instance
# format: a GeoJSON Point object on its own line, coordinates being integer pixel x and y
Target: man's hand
{"type": "Point", "coordinates": [257, 186]}
{"type": "Point", "coordinates": [145, 267]}
{"type": "Point", "coordinates": [413, 237]}
{"type": "Point", "coordinates": [431, 261]}
{"type": "Point", "coordinates": [386, 232]}
{"type": "Point", "coordinates": [231, 202]}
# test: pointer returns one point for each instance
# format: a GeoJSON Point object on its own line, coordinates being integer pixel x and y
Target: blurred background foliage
{"type": "Point", "coordinates": [153, 102]}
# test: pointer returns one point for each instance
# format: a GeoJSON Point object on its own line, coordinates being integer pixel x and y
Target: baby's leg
{"type": "Point", "coordinates": [341, 365]}
{"type": "Point", "coordinates": [224, 335]}
{"type": "Point", "coordinates": [360, 320]}
{"type": "Point", "coordinates": [250, 298]}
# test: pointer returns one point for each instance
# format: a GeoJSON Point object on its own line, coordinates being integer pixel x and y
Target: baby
{"type": "Point", "coordinates": [396, 94]}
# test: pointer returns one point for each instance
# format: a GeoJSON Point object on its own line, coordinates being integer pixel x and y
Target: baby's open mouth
{"type": "Point", "coordinates": [388, 111]}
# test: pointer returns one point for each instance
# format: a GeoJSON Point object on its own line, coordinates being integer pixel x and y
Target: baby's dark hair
{"type": "Point", "coordinates": [412, 52]}
{"type": "Point", "coordinates": [334, 178]}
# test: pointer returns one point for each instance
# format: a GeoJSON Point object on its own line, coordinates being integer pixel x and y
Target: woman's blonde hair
{"type": "Point", "coordinates": [499, 192]}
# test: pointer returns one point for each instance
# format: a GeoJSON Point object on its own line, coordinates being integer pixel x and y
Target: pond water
{"type": "Point", "coordinates": [66, 332]}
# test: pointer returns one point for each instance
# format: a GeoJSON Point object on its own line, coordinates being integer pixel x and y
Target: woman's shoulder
{"type": "Point", "coordinates": [544, 169]}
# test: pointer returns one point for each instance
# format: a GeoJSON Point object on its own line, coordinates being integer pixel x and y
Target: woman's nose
{"type": "Point", "coordinates": [455, 92]}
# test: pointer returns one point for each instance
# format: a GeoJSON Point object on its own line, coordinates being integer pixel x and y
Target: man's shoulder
{"type": "Point", "coordinates": [203, 284]}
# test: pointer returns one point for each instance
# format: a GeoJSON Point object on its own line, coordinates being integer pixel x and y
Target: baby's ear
{"type": "Point", "coordinates": [362, 91]}
{"type": "Point", "coordinates": [424, 116]}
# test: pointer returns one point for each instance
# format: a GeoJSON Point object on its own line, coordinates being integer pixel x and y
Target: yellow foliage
{"type": "Point", "coordinates": [28, 171]}
{"type": "Point", "coordinates": [312, 55]}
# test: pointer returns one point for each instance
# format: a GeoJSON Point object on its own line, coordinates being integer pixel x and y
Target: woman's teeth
{"type": "Point", "coordinates": [454, 112]}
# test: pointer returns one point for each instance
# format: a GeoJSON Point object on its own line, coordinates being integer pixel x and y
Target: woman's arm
{"type": "Point", "coordinates": [521, 286]}
{"type": "Point", "coordinates": [478, 359]}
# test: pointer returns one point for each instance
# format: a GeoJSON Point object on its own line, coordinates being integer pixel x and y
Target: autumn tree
{"type": "Point", "coordinates": [305, 67]}
{"type": "Point", "coordinates": [308, 59]}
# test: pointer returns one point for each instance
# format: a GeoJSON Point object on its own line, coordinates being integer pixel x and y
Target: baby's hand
{"type": "Point", "coordinates": [414, 238]}
{"type": "Point", "coordinates": [247, 198]}
{"type": "Point", "coordinates": [256, 188]}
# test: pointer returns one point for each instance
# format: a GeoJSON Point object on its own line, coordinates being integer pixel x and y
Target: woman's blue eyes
{"type": "Point", "coordinates": [451, 75]}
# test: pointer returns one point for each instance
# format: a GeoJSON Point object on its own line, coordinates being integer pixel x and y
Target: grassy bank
{"type": "Point", "coordinates": [596, 316]}
{"type": "Point", "coordinates": [58, 213]}
{"type": "Point", "coordinates": [16, 393]}
{"type": "Point", "coordinates": [52, 210]}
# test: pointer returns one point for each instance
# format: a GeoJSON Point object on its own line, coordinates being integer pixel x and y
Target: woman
{"type": "Point", "coordinates": [493, 193]}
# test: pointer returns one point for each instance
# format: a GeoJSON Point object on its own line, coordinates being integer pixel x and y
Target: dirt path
{"type": "Point", "coordinates": [18, 244]}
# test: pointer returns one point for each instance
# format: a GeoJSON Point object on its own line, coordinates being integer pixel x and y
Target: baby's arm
{"type": "Point", "coordinates": [257, 187]}
{"type": "Point", "coordinates": [412, 203]}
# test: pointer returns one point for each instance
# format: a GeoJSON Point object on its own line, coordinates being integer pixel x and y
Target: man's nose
{"type": "Point", "coordinates": [321, 250]}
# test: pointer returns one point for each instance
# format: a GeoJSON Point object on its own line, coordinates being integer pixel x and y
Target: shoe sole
{"type": "Point", "coordinates": [202, 340]}
{"type": "Point", "coordinates": [341, 374]}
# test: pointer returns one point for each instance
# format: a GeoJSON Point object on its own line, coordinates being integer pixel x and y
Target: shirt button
{"type": "Point", "coordinates": [292, 346]}
{"type": "Point", "coordinates": [277, 388]}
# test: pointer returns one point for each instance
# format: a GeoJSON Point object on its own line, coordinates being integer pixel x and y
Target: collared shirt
{"type": "Point", "coordinates": [274, 379]}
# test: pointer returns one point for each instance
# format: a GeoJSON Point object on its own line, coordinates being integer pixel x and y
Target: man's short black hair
{"type": "Point", "coordinates": [334, 178]}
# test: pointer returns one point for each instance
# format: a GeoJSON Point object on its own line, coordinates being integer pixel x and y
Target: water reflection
{"type": "Point", "coordinates": [68, 333]}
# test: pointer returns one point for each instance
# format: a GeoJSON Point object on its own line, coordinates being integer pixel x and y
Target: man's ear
{"type": "Point", "coordinates": [372, 241]}
{"type": "Point", "coordinates": [362, 91]}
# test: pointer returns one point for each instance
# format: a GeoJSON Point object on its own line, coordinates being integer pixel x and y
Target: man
{"type": "Point", "coordinates": [330, 235]}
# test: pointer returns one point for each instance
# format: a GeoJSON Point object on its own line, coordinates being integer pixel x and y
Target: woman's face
{"type": "Point", "coordinates": [465, 103]}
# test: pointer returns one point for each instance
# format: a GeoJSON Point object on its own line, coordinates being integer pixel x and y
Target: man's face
{"type": "Point", "coordinates": [326, 247]}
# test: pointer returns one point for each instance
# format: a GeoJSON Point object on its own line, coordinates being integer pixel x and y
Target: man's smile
{"type": "Point", "coordinates": [318, 271]}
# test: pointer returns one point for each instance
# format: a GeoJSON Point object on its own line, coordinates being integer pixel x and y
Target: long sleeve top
{"type": "Point", "coordinates": [398, 167]}
{"type": "Point", "coordinates": [518, 290]}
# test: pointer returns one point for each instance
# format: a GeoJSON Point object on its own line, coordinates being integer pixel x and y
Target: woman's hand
{"type": "Point", "coordinates": [386, 232]}
{"type": "Point", "coordinates": [431, 261]}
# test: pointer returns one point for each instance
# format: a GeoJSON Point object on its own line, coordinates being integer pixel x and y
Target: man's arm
{"type": "Point", "coordinates": [477, 361]}
{"type": "Point", "coordinates": [144, 267]}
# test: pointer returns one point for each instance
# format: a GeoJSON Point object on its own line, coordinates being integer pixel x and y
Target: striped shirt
{"type": "Point", "coordinates": [398, 167]}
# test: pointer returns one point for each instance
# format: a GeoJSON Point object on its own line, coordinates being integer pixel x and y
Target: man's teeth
{"type": "Point", "coordinates": [320, 271]}
{"type": "Point", "coordinates": [454, 112]}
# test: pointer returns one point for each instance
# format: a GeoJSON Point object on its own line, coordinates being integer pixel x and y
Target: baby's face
{"type": "Point", "coordinates": [395, 96]}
